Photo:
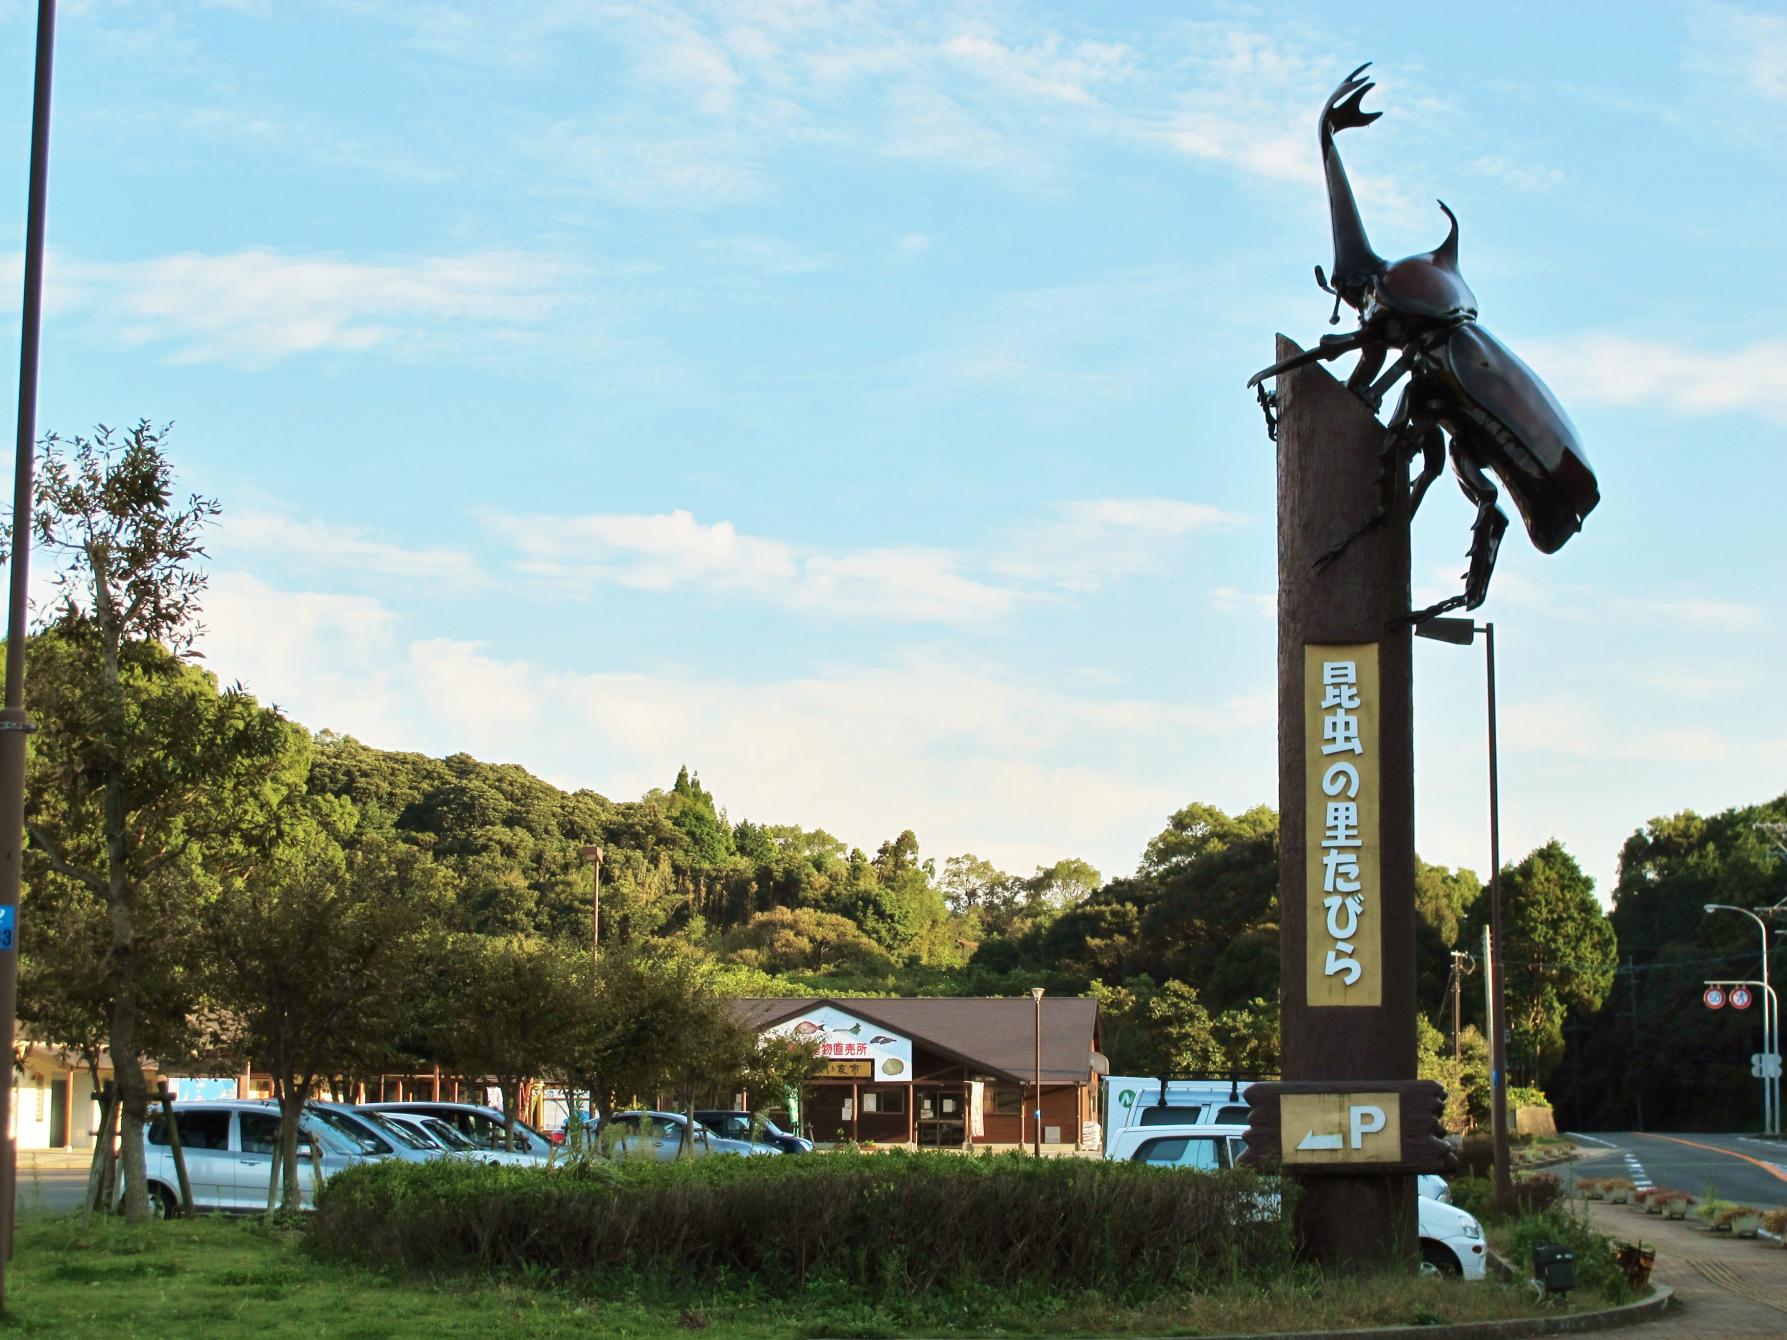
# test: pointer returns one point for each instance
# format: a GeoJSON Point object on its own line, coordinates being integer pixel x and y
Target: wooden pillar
{"type": "Point", "coordinates": [68, 1106]}
{"type": "Point", "coordinates": [855, 1113]}
{"type": "Point", "coordinates": [1328, 445]}
{"type": "Point", "coordinates": [912, 1115]}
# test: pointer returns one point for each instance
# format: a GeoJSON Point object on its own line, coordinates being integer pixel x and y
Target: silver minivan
{"type": "Point", "coordinates": [229, 1152]}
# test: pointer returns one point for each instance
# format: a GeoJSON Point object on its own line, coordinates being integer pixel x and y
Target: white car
{"type": "Point", "coordinates": [661, 1135]}
{"type": "Point", "coordinates": [483, 1126]}
{"type": "Point", "coordinates": [449, 1143]}
{"type": "Point", "coordinates": [1451, 1239]}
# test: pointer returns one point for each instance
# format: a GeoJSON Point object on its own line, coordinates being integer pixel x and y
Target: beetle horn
{"type": "Point", "coordinates": [1445, 255]}
{"type": "Point", "coordinates": [1354, 260]}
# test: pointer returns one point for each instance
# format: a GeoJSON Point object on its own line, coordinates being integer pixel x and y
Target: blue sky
{"type": "Point", "coordinates": [847, 400]}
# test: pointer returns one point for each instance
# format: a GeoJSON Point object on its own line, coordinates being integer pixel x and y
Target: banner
{"type": "Point", "coordinates": [1343, 924]}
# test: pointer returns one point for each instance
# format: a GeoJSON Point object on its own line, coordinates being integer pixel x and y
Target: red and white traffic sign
{"type": "Point", "coordinates": [1740, 997]}
{"type": "Point", "coordinates": [1714, 998]}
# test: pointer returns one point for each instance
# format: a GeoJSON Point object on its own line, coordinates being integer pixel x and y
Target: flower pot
{"type": "Point", "coordinates": [1619, 1196]}
{"type": "Point", "coordinates": [1746, 1225]}
{"type": "Point", "coordinates": [1653, 1206]}
{"type": "Point", "coordinates": [1676, 1208]}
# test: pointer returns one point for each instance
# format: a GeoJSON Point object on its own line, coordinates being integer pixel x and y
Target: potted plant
{"type": "Point", "coordinates": [1650, 1200]}
{"type": "Point", "coordinates": [1741, 1221]}
{"type": "Point", "coordinates": [1675, 1204]}
{"type": "Point", "coordinates": [1635, 1260]}
{"type": "Point", "coordinates": [1775, 1221]}
{"type": "Point", "coordinates": [1619, 1190]}
{"type": "Point", "coordinates": [1592, 1187]}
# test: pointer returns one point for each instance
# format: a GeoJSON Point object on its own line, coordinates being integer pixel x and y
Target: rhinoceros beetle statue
{"type": "Point", "coordinates": [1462, 381]}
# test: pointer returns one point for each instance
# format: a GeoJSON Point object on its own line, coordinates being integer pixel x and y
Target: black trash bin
{"type": "Point", "coordinates": [1554, 1266]}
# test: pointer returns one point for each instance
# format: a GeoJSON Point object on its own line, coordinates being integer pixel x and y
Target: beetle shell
{"type": "Point", "coordinates": [1524, 433]}
{"type": "Point", "coordinates": [1419, 286]}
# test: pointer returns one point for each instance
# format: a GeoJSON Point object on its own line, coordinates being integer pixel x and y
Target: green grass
{"type": "Point", "coordinates": [215, 1277]}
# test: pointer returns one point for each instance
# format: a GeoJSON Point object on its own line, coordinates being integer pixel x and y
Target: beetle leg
{"type": "Point", "coordinates": [1331, 346]}
{"type": "Point", "coordinates": [1371, 358]}
{"type": "Point", "coordinates": [1433, 460]}
{"type": "Point", "coordinates": [1486, 535]}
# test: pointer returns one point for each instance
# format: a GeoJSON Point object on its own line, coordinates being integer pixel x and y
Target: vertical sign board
{"type": "Point", "coordinates": [1343, 917]}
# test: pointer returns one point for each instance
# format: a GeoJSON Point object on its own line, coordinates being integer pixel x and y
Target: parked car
{"type": "Point", "coordinates": [661, 1135]}
{"type": "Point", "coordinates": [228, 1147]}
{"type": "Point", "coordinates": [449, 1143]}
{"type": "Point", "coordinates": [1451, 1239]}
{"type": "Point", "coordinates": [376, 1136]}
{"type": "Point", "coordinates": [736, 1124]}
{"type": "Point", "coordinates": [483, 1126]}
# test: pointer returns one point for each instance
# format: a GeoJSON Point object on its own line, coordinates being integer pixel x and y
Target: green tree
{"type": "Point", "coordinates": [142, 770]}
{"type": "Point", "coordinates": [312, 952]}
{"type": "Point", "coordinates": [797, 939]}
{"type": "Point", "coordinates": [1558, 952]}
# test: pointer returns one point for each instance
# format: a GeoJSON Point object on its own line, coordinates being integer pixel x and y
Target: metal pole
{"type": "Point", "coordinates": [14, 725]}
{"type": "Point", "coordinates": [1498, 1043]}
{"type": "Point", "coordinates": [1771, 1024]}
{"type": "Point", "coordinates": [1036, 996]}
{"type": "Point", "coordinates": [594, 856]}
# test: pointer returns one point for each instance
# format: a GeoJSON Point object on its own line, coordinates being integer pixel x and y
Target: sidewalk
{"type": "Point", "coordinates": [1725, 1288]}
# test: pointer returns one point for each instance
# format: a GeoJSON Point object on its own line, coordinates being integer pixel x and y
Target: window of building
{"type": "Point", "coordinates": [884, 1100]}
{"type": "Point", "coordinates": [1008, 1100]}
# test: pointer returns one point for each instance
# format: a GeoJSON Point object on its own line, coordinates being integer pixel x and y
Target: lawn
{"type": "Point", "coordinates": [218, 1276]}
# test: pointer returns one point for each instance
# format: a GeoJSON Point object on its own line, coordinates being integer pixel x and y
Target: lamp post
{"type": "Point", "coordinates": [1771, 1025]}
{"type": "Point", "coordinates": [1462, 633]}
{"type": "Point", "coordinates": [593, 855]}
{"type": "Point", "coordinates": [14, 725]}
{"type": "Point", "coordinates": [1036, 996]}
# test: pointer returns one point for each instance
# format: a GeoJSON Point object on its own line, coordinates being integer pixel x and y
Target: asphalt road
{"type": "Point", "coordinates": [1736, 1167]}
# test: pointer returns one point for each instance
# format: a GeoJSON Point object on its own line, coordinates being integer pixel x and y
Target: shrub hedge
{"type": "Point", "coordinates": [882, 1223]}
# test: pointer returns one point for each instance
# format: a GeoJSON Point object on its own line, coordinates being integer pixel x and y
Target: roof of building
{"type": "Point", "coordinates": [994, 1034]}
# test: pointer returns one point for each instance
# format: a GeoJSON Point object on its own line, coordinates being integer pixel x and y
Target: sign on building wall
{"type": "Point", "coordinates": [861, 1049]}
{"type": "Point", "coordinates": [1344, 861]}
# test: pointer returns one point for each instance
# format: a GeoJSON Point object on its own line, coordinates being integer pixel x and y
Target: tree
{"type": "Point", "coordinates": [506, 1009]}
{"type": "Point", "coordinates": [798, 939]}
{"type": "Point", "coordinates": [1558, 954]}
{"type": "Point", "coordinates": [311, 955]}
{"type": "Point", "coordinates": [141, 766]}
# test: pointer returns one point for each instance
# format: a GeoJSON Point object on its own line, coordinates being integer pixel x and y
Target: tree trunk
{"type": "Point", "coordinates": [127, 1067]}
{"type": "Point", "coordinates": [291, 1108]}
{"type": "Point", "coordinates": [511, 1089]}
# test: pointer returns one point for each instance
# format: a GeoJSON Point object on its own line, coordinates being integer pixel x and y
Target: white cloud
{"type": "Point", "coordinates": [1083, 547]}
{"type": "Point", "coordinates": [1615, 369]}
{"type": "Point", "coordinates": [256, 307]}
{"type": "Point", "coordinates": [1525, 176]}
{"type": "Point", "coordinates": [1742, 47]}
{"type": "Point", "coordinates": [1584, 728]}
{"type": "Point", "coordinates": [1230, 600]}
{"type": "Point", "coordinates": [321, 657]}
{"type": "Point", "coordinates": [313, 545]}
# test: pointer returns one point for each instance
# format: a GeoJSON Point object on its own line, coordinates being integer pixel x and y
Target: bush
{"type": "Point", "coordinates": [885, 1224]}
{"type": "Point", "coordinates": [1597, 1261]}
{"type": "Point", "coordinates": [1537, 1192]}
{"type": "Point", "coordinates": [1476, 1155]}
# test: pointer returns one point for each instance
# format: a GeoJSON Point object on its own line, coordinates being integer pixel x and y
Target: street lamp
{"type": "Point", "coordinates": [1036, 995]}
{"type": "Point", "coordinates": [594, 856]}
{"type": "Point", "coordinates": [1461, 633]}
{"type": "Point", "coordinates": [1771, 1026]}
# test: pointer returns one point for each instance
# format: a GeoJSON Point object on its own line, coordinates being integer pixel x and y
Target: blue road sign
{"type": "Point", "coordinates": [8, 919]}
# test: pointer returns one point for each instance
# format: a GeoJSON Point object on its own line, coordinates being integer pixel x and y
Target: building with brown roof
{"type": "Point", "coordinates": [944, 1071]}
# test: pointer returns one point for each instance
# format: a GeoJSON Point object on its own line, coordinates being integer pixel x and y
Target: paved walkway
{"type": "Point", "coordinates": [1725, 1288]}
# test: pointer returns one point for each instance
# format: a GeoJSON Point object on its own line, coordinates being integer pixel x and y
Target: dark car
{"type": "Point", "coordinates": [737, 1125]}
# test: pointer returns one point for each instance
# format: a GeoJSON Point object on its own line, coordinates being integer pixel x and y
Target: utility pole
{"type": "Point", "coordinates": [593, 855]}
{"type": "Point", "coordinates": [1461, 964]}
{"type": "Point", "coordinates": [1632, 995]}
{"type": "Point", "coordinates": [14, 725]}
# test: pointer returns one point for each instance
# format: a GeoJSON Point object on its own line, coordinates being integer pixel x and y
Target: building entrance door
{"type": "Point", "coordinates": [59, 1114]}
{"type": "Point", "coordinates": [940, 1116]}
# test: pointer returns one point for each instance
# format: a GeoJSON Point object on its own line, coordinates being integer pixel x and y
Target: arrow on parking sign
{"type": "Point", "coordinates": [1314, 1141]}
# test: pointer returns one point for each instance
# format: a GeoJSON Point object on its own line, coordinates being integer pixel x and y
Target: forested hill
{"type": "Point", "coordinates": [1183, 952]}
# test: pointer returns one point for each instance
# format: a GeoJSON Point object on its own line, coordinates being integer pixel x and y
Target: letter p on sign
{"type": "Point", "coordinates": [1363, 1120]}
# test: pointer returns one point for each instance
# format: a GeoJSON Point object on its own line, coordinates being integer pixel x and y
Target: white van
{"type": "Point", "coordinates": [1451, 1239]}
{"type": "Point", "coordinates": [1133, 1100]}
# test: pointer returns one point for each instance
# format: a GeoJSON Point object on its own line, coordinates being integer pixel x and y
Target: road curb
{"type": "Point", "coordinates": [1603, 1319]}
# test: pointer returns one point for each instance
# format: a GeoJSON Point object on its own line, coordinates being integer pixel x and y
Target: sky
{"type": "Point", "coordinates": [847, 400]}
